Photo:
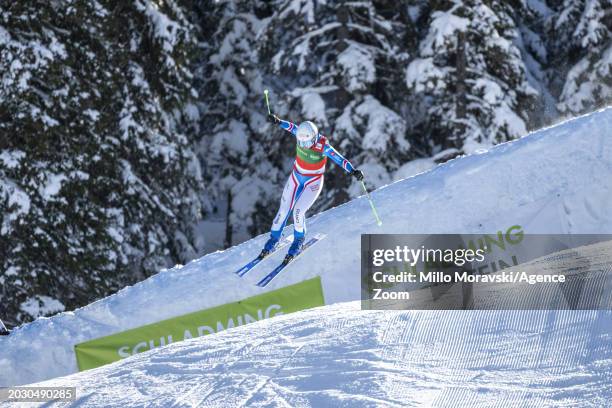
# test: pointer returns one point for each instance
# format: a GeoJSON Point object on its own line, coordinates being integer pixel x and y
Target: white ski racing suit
{"type": "Point", "coordinates": [305, 181]}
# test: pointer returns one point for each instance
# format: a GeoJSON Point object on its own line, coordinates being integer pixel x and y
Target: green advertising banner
{"type": "Point", "coordinates": [105, 350]}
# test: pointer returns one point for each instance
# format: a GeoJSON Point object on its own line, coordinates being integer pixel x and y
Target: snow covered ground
{"type": "Point", "coordinates": [339, 356]}
{"type": "Point", "coordinates": [557, 180]}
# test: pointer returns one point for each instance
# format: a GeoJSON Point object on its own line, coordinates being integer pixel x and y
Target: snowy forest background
{"type": "Point", "coordinates": [133, 134]}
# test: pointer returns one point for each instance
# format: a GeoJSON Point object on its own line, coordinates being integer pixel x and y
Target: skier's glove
{"type": "Point", "coordinates": [273, 118]}
{"type": "Point", "coordinates": [358, 174]}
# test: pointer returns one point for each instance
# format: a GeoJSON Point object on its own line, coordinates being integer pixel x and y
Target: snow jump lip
{"type": "Point", "coordinates": [337, 355]}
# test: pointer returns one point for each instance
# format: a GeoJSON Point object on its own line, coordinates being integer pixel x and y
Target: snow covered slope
{"type": "Point", "coordinates": [339, 356]}
{"type": "Point", "coordinates": [557, 180]}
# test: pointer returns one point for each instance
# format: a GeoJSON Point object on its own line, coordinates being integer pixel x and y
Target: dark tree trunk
{"type": "Point", "coordinates": [228, 223]}
{"type": "Point", "coordinates": [461, 90]}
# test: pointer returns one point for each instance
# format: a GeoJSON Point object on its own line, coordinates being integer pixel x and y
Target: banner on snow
{"type": "Point", "coordinates": [105, 350]}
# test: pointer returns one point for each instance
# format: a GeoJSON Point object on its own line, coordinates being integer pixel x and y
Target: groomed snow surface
{"type": "Point", "coordinates": [557, 180]}
{"type": "Point", "coordinates": [340, 356]}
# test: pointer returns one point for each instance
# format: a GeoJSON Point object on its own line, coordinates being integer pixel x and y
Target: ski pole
{"type": "Point", "coordinates": [267, 102]}
{"type": "Point", "coordinates": [378, 221]}
{"type": "Point", "coordinates": [3, 330]}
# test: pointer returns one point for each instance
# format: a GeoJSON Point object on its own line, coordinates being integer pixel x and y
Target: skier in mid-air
{"type": "Point", "coordinates": [305, 181]}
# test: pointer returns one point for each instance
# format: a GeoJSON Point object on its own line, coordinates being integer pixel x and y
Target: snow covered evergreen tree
{"type": "Point", "coordinates": [121, 120]}
{"type": "Point", "coordinates": [339, 65]}
{"type": "Point", "coordinates": [530, 17]}
{"type": "Point", "coordinates": [98, 183]}
{"type": "Point", "coordinates": [235, 147]}
{"type": "Point", "coordinates": [581, 42]}
{"type": "Point", "coordinates": [470, 77]}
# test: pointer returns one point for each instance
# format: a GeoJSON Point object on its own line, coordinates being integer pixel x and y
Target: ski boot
{"type": "Point", "coordinates": [270, 245]}
{"type": "Point", "coordinates": [295, 248]}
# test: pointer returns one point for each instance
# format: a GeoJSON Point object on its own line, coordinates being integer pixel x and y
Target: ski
{"type": "Point", "coordinates": [268, 278]}
{"type": "Point", "coordinates": [246, 268]}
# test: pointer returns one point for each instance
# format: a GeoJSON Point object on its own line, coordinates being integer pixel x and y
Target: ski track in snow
{"type": "Point", "coordinates": [338, 356]}
{"type": "Point", "coordinates": [557, 180]}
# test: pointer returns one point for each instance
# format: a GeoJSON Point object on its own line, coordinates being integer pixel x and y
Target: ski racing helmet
{"type": "Point", "coordinates": [307, 134]}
